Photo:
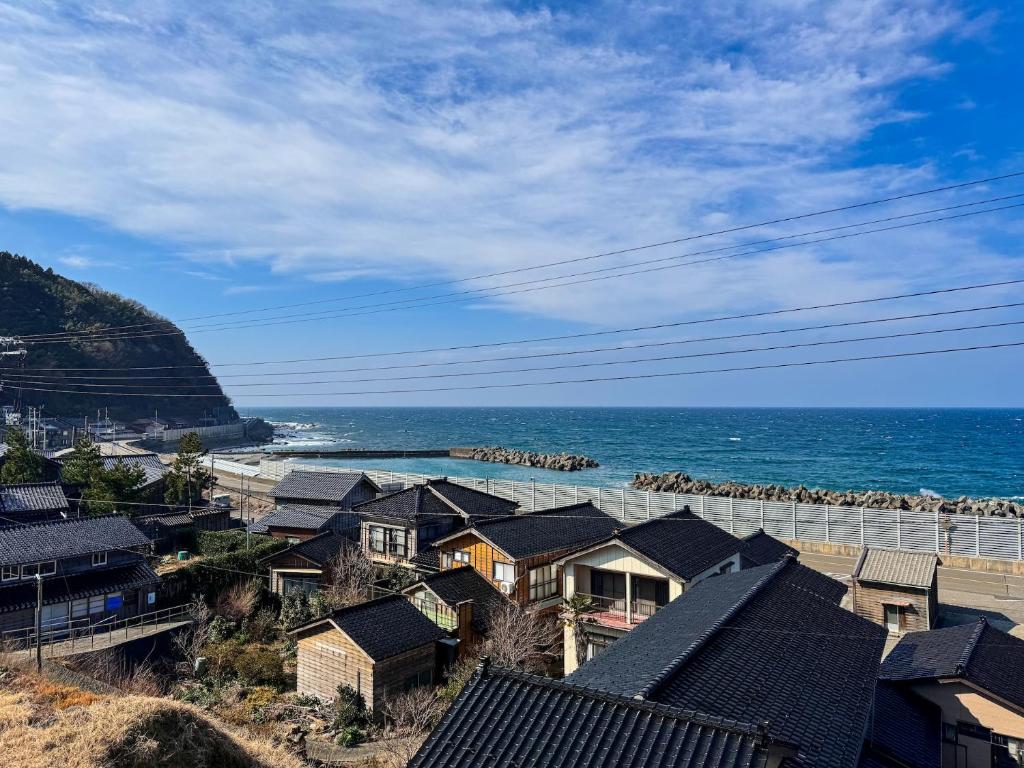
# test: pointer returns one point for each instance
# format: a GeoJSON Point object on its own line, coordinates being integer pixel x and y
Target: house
{"type": "Point", "coordinates": [973, 675]}
{"type": "Point", "coordinates": [93, 568]}
{"type": "Point", "coordinates": [172, 531]}
{"type": "Point", "coordinates": [305, 566]}
{"type": "Point", "coordinates": [759, 548]}
{"type": "Point", "coordinates": [518, 553]}
{"type": "Point", "coordinates": [398, 526]}
{"type": "Point", "coordinates": [459, 600]}
{"type": "Point", "coordinates": [905, 730]}
{"type": "Point", "coordinates": [298, 522]}
{"type": "Point", "coordinates": [154, 471]}
{"type": "Point", "coordinates": [897, 588]}
{"type": "Point", "coordinates": [325, 489]}
{"type": "Point", "coordinates": [633, 573]}
{"type": "Point", "coordinates": [768, 645]}
{"type": "Point", "coordinates": [509, 719]}
{"type": "Point", "coordinates": [379, 649]}
{"type": "Point", "coordinates": [32, 503]}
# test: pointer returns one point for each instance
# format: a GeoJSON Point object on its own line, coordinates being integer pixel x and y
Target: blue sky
{"type": "Point", "coordinates": [219, 159]}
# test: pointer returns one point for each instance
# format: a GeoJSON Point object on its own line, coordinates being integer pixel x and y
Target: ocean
{"type": "Point", "coordinates": [951, 452]}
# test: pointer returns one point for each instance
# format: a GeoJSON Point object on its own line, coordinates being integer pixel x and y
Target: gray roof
{"type": "Point", "coordinates": [433, 499]}
{"type": "Point", "coordinates": [383, 628]}
{"type": "Point", "coordinates": [319, 549]}
{"type": "Point", "coordinates": [464, 584]}
{"type": "Point", "coordinates": [681, 542]}
{"type": "Point", "coordinates": [301, 516]}
{"type": "Point", "coordinates": [761, 548]}
{"type": "Point", "coordinates": [317, 486]}
{"type": "Point", "coordinates": [32, 497]}
{"type": "Point", "coordinates": [766, 644]}
{"type": "Point", "coordinates": [904, 727]}
{"type": "Point", "coordinates": [153, 469]}
{"type": "Point", "coordinates": [506, 719]}
{"type": "Point", "coordinates": [59, 539]}
{"type": "Point", "coordinates": [898, 567]}
{"type": "Point", "coordinates": [551, 530]}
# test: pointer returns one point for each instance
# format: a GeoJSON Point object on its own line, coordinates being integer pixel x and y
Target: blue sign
{"type": "Point", "coordinates": [114, 602]}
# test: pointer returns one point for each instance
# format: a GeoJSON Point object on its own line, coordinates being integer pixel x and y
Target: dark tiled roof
{"type": "Point", "coordinates": [905, 727]}
{"type": "Point", "coordinates": [457, 585]}
{"type": "Point", "coordinates": [319, 550]}
{"type": "Point", "coordinates": [760, 548]}
{"type": "Point", "coordinates": [435, 498]}
{"type": "Point", "coordinates": [471, 501]}
{"type": "Point", "coordinates": [428, 559]}
{"type": "Point", "coordinates": [21, 595]}
{"type": "Point", "coordinates": [59, 539]}
{"type": "Point", "coordinates": [682, 543]}
{"type": "Point", "coordinates": [504, 719]}
{"type": "Point", "coordinates": [32, 497]}
{"type": "Point", "coordinates": [977, 652]}
{"type": "Point", "coordinates": [300, 516]}
{"type": "Point", "coordinates": [764, 644]}
{"type": "Point", "coordinates": [384, 627]}
{"type": "Point", "coordinates": [551, 530]}
{"type": "Point", "coordinates": [153, 469]}
{"type": "Point", "coordinates": [316, 486]}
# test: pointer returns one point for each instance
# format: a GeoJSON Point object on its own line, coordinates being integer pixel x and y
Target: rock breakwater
{"type": "Point", "coordinates": [563, 462]}
{"type": "Point", "coordinates": [680, 482]}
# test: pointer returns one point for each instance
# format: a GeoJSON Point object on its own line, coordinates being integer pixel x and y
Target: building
{"type": "Point", "coordinates": [93, 569]}
{"type": "Point", "coordinates": [460, 601]}
{"type": "Point", "coordinates": [305, 566]}
{"type": "Point", "coordinates": [399, 526]}
{"type": "Point", "coordinates": [298, 522]}
{"type": "Point", "coordinates": [974, 675]}
{"type": "Point", "coordinates": [173, 531]}
{"type": "Point", "coordinates": [905, 730]}
{"type": "Point", "coordinates": [636, 571]}
{"type": "Point", "coordinates": [897, 589]}
{"type": "Point", "coordinates": [379, 649]}
{"type": "Point", "coordinates": [325, 489]}
{"type": "Point", "coordinates": [758, 548]}
{"type": "Point", "coordinates": [767, 645]}
{"type": "Point", "coordinates": [518, 553]}
{"type": "Point", "coordinates": [151, 487]}
{"type": "Point", "coordinates": [32, 503]}
{"type": "Point", "coordinates": [506, 719]}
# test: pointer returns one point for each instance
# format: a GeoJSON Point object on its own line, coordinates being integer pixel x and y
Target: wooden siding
{"type": "Point", "coordinates": [870, 599]}
{"type": "Point", "coordinates": [383, 557]}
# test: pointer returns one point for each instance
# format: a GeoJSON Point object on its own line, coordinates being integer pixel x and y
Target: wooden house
{"type": "Point", "coordinates": [323, 489]}
{"type": "Point", "coordinates": [380, 648]}
{"type": "Point", "coordinates": [299, 522]}
{"type": "Point", "coordinates": [897, 589]}
{"type": "Point", "coordinates": [305, 566]}
{"type": "Point", "coordinates": [460, 601]}
{"type": "Point", "coordinates": [32, 503]}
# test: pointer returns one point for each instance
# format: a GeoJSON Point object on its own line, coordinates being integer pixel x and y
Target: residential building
{"type": "Point", "coordinates": [298, 522]}
{"type": "Point", "coordinates": [305, 566]}
{"type": "Point", "coordinates": [325, 489]}
{"type": "Point", "coordinates": [767, 645]}
{"type": "Point", "coordinates": [973, 675]}
{"type": "Point", "coordinates": [32, 503]}
{"type": "Point", "coordinates": [509, 719]}
{"type": "Point", "coordinates": [379, 649]}
{"type": "Point", "coordinates": [398, 526]}
{"type": "Point", "coordinates": [173, 531]}
{"type": "Point", "coordinates": [460, 601]}
{"type": "Point", "coordinates": [897, 588]}
{"type": "Point", "coordinates": [905, 730]}
{"type": "Point", "coordinates": [154, 471]}
{"type": "Point", "coordinates": [759, 548]}
{"type": "Point", "coordinates": [518, 553]}
{"type": "Point", "coordinates": [636, 571]}
{"type": "Point", "coordinates": [93, 568]}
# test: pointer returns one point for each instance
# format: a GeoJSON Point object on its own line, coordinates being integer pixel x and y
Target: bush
{"type": "Point", "coordinates": [222, 542]}
{"type": "Point", "coordinates": [350, 737]}
{"type": "Point", "coordinates": [212, 575]}
{"type": "Point", "coordinates": [261, 627]}
{"type": "Point", "coordinates": [220, 629]}
{"type": "Point", "coordinates": [259, 664]}
{"type": "Point", "coordinates": [351, 709]}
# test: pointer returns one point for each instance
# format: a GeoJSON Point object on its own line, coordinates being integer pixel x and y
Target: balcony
{"type": "Point", "coordinates": [611, 611]}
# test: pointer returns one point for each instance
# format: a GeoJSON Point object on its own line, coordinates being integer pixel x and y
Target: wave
{"type": "Point", "coordinates": [929, 492]}
{"type": "Point", "coordinates": [735, 439]}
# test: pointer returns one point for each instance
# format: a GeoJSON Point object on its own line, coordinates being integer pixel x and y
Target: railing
{"type": "Point", "coordinates": [440, 614]}
{"type": "Point", "coordinates": [613, 609]}
{"type": "Point", "coordinates": [83, 632]}
{"type": "Point", "coordinates": [965, 535]}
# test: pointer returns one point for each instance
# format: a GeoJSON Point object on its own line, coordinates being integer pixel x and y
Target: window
{"type": "Point", "coordinates": [460, 556]}
{"type": "Point", "coordinates": [949, 732]}
{"type": "Point", "coordinates": [96, 604]}
{"type": "Point", "coordinates": [80, 608]}
{"type": "Point", "coordinates": [292, 540]}
{"type": "Point", "coordinates": [504, 572]}
{"type": "Point", "coordinates": [543, 582]}
{"type": "Point", "coordinates": [377, 540]}
{"type": "Point", "coordinates": [9, 572]}
{"type": "Point", "coordinates": [99, 558]}
{"type": "Point", "coordinates": [974, 731]}
{"type": "Point", "coordinates": [396, 543]}
{"type": "Point", "coordinates": [48, 568]}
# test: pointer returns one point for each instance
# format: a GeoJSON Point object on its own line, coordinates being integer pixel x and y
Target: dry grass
{"type": "Point", "coordinates": [43, 724]}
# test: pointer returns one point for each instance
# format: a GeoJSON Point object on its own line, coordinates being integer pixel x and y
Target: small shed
{"type": "Point", "coordinates": [379, 648]}
{"type": "Point", "coordinates": [897, 589]}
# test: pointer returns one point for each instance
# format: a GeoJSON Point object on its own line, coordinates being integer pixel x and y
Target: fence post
{"type": "Point", "coordinates": [533, 495]}
{"type": "Point", "coordinates": [732, 515]}
{"type": "Point", "coordinates": [899, 532]}
{"type": "Point", "coordinates": [648, 505]}
{"type": "Point", "coordinates": [762, 514]}
{"type": "Point", "coordinates": [487, 484]}
{"type": "Point", "coordinates": [938, 542]}
{"type": "Point", "coordinates": [827, 539]}
{"type": "Point", "coordinates": [1020, 539]}
{"type": "Point", "coordinates": [862, 526]}
{"type": "Point", "coordinates": [622, 503]}
{"type": "Point", "coordinates": [575, 494]}
{"type": "Point", "coordinates": [702, 505]}
{"type": "Point", "coordinates": [977, 536]}
{"type": "Point", "coordinates": [793, 505]}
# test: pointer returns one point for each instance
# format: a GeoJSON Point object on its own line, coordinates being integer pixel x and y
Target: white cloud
{"type": "Point", "coordinates": [405, 139]}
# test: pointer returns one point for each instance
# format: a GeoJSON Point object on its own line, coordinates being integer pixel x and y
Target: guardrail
{"type": "Point", "coordinates": [997, 538]}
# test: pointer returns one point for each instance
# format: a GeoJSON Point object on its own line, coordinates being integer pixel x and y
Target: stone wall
{"type": "Point", "coordinates": [564, 462]}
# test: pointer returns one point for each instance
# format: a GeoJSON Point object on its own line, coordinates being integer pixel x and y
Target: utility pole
{"type": "Point", "coordinates": [39, 622]}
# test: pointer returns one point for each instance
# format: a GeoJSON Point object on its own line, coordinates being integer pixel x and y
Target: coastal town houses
{"type": "Point", "coordinates": [175, 530]}
{"type": "Point", "coordinates": [305, 566]}
{"type": "Point", "coordinates": [92, 568]}
{"type": "Point", "coordinates": [380, 648]}
{"type": "Point", "coordinates": [518, 553]}
{"type": "Point", "coordinates": [32, 503]}
{"type": "Point", "coordinates": [896, 588]}
{"type": "Point", "coordinates": [971, 675]}
{"type": "Point", "coordinates": [460, 601]}
{"type": "Point", "coordinates": [298, 522]}
{"type": "Point", "coordinates": [323, 489]}
{"type": "Point", "coordinates": [397, 527]}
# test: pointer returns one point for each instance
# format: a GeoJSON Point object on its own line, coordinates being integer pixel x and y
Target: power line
{"type": "Point", "coordinates": [634, 249]}
{"type": "Point", "coordinates": [516, 385]}
{"type": "Point", "coordinates": [449, 298]}
{"type": "Point", "coordinates": [602, 364]}
{"type": "Point", "coordinates": [571, 336]}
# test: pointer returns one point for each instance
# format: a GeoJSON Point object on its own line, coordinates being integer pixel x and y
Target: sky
{"type": "Point", "coordinates": [328, 158]}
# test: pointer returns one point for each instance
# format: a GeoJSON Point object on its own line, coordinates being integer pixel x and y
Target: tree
{"type": "Point", "coordinates": [82, 464]}
{"type": "Point", "coordinates": [187, 479]}
{"type": "Point", "coordinates": [576, 612]}
{"type": "Point", "coordinates": [350, 577]}
{"type": "Point", "coordinates": [21, 463]}
{"type": "Point", "coordinates": [521, 639]}
{"type": "Point", "coordinates": [108, 487]}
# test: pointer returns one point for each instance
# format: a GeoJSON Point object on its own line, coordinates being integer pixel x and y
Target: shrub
{"type": "Point", "coordinates": [350, 737]}
{"type": "Point", "coordinates": [259, 664]}
{"type": "Point", "coordinates": [261, 628]}
{"type": "Point", "coordinates": [220, 629]}
{"type": "Point", "coordinates": [239, 600]}
{"type": "Point", "coordinates": [350, 707]}
{"type": "Point", "coordinates": [213, 574]}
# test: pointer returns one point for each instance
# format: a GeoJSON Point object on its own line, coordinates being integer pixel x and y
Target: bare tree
{"type": "Point", "coordinates": [408, 718]}
{"type": "Point", "coordinates": [350, 574]}
{"type": "Point", "coordinates": [239, 600]}
{"type": "Point", "coordinates": [191, 639]}
{"type": "Point", "coordinates": [521, 639]}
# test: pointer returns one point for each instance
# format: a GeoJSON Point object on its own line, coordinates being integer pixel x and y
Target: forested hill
{"type": "Point", "coordinates": [34, 301]}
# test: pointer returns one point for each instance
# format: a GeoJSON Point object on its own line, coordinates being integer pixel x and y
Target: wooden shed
{"type": "Point", "coordinates": [379, 648]}
{"type": "Point", "coordinates": [897, 589]}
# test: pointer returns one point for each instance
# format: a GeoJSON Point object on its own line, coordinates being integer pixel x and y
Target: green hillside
{"type": "Point", "coordinates": [34, 300]}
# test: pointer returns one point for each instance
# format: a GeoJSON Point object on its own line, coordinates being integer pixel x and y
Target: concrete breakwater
{"type": "Point", "coordinates": [679, 482]}
{"type": "Point", "coordinates": [564, 462]}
